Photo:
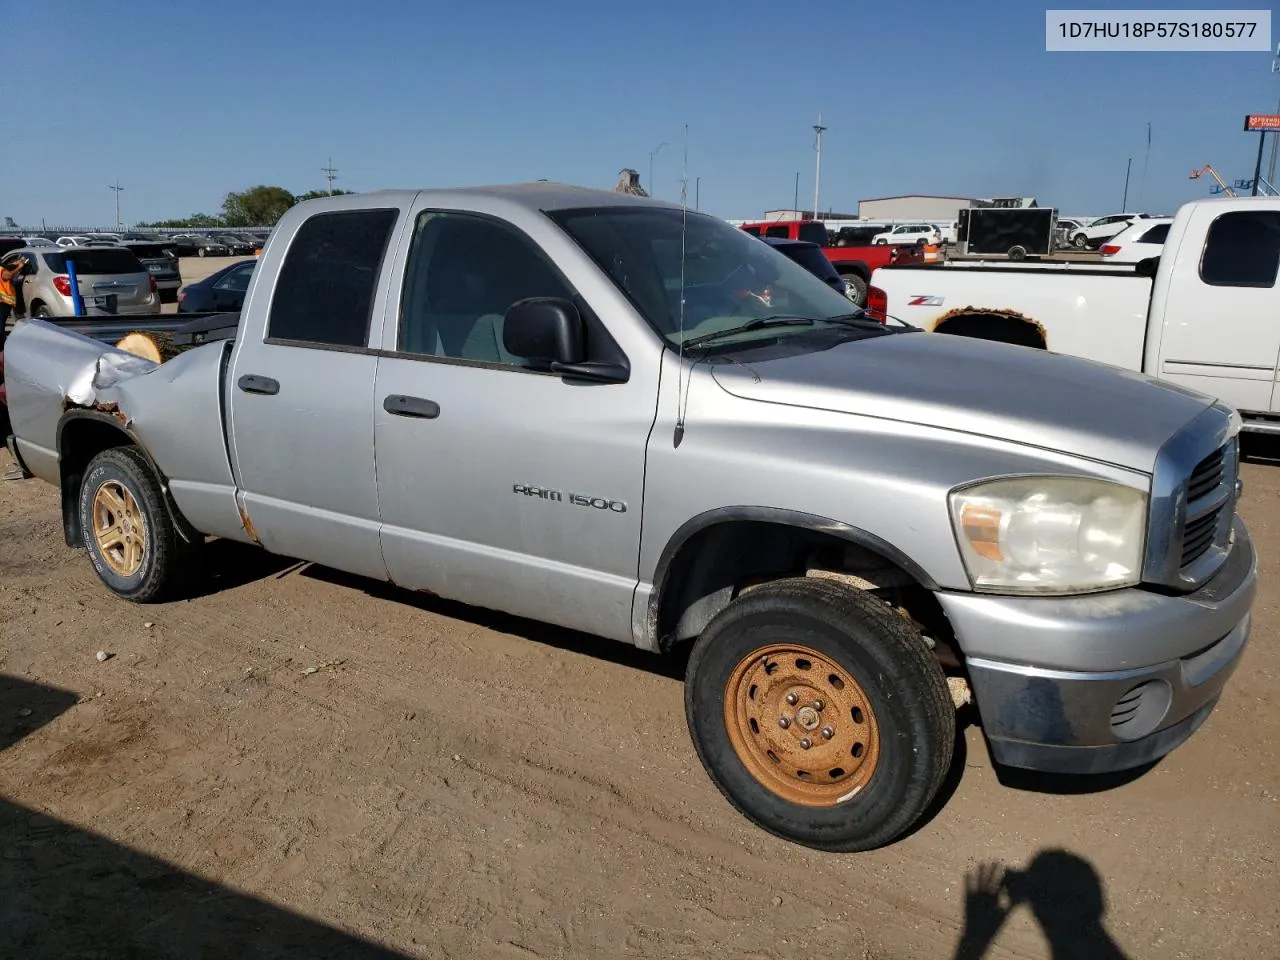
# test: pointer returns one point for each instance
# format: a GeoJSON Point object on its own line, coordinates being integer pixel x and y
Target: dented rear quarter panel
{"type": "Point", "coordinates": [174, 410]}
{"type": "Point", "coordinates": [1096, 314]}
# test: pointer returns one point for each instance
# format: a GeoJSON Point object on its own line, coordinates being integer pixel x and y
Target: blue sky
{"type": "Point", "coordinates": [185, 101]}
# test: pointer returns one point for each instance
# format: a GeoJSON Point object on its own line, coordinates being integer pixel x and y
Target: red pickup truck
{"type": "Point", "coordinates": [854, 263]}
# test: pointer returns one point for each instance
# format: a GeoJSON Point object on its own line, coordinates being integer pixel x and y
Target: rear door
{"type": "Point", "coordinates": [301, 397]}
{"type": "Point", "coordinates": [1221, 308]}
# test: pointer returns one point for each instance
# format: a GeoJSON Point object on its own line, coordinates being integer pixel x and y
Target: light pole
{"type": "Point", "coordinates": [697, 193]}
{"type": "Point", "coordinates": [818, 129]}
{"type": "Point", "coordinates": [653, 192]}
{"type": "Point", "coordinates": [1124, 204]}
{"type": "Point", "coordinates": [117, 188]}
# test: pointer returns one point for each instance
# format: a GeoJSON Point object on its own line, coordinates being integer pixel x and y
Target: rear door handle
{"type": "Point", "coordinates": [401, 406]}
{"type": "Point", "coordinates": [252, 383]}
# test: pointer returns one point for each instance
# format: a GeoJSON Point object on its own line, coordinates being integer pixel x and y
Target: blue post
{"type": "Point", "coordinates": [77, 304]}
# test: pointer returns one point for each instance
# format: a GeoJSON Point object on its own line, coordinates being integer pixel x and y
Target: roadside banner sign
{"type": "Point", "coordinates": [1262, 122]}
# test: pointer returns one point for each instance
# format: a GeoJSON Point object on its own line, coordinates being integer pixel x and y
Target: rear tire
{"type": "Point", "coordinates": [129, 531]}
{"type": "Point", "coordinates": [202, 252]}
{"type": "Point", "coordinates": [1017, 252]}
{"type": "Point", "coordinates": [855, 288]}
{"type": "Point", "coordinates": [832, 646]}
{"type": "Point", "coordinates": [41, 312]}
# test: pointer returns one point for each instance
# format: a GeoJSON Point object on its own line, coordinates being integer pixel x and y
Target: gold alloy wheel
{"type": "Point", "coordinates": [119, 529]}
{"type": "Point", "coordinates": [801, 725]}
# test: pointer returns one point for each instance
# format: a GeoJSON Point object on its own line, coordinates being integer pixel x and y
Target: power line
{"type": "Point", "coordinates": [331, 174]}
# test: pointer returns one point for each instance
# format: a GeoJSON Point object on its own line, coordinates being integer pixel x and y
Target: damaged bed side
{"type": "Point", "coordinates": [71, 397]}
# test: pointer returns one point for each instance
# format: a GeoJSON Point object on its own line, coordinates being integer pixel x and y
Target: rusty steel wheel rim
{"type": "Point", "coordinates": [119, 529]}
{"type": "Point", "coordinates": [801, 725]}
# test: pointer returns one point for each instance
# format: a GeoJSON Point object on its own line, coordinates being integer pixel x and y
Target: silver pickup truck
{"type": "Point", "coordinates": [633, 420]}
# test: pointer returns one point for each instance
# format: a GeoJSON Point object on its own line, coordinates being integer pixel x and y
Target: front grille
{"type": "Point", "coordinates": [1207, 503]}
{"type": "Point", "coordinates": [1199, 536]}
{"type": "Point", "coordinates": [1206, 476]}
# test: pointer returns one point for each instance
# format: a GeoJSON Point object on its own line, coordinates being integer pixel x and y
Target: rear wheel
{"type": "Point", "coordinates": [202, 252]}
{"type": "Point", "coordinates": [855, 288]}
{"type": "Point", "coordinates": [1017, 252]}
{"type": "Point", "coordinates": [129, 531]}
{"type": "Point", "coordinates": [820, 714]}
{"type": "Point", "coordinates": [40, 311]}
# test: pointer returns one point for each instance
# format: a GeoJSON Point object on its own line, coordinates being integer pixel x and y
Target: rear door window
{"type": "Point", "coordinates": [324, 292]}
{"type": "Point", "coordinates": [782, 232]}
{"type": "Point", "coordinates": [1242, 249]}
{"type": "Point", "coordinates": [814, 233]}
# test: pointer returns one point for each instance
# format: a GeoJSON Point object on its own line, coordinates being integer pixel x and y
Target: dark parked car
{"type": "Point", "coordinates": [198, 245]}
{"type": "Point", "coordinates": [223, 290]}
{"type": "Point", "coordinates": [160, 257]}
{"type": "Point", "coordinates": [811, 257]}
{"type": "Point", "coordinates": [238, 244]}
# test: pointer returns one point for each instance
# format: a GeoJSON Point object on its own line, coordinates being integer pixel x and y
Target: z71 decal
{"type": "Point", "coordinates": [922, 300]}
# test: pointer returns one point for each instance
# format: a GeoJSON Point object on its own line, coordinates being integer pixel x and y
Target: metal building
{"type": "Point", "coordinates": [914, 207]}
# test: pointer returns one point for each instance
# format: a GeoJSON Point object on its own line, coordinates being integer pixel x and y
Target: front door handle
{"type": "Point", "coordinates": [401, 406]}
{"type": "Point", "coordinates": [252, 383]}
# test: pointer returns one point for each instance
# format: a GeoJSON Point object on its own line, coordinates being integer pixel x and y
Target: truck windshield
{"type": "Point", "coordinates": [728, 277]}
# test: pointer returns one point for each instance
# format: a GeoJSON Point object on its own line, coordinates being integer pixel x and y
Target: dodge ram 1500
{"type": "Point", "coordinates": [625, 418]}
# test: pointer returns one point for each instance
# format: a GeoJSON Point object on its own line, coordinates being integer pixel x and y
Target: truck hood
{"type": "Point", "coordinates": [1027, 396]}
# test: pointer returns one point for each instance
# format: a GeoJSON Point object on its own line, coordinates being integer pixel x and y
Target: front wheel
{"type": "Point", "coordinates": [1017, 252]}
{"type": "Point", "coordinates": [820, 714]}
{"type": "Point", "coordinates": [202, 252]}
{"type": "Point", "coordinates": [855, 288]}
{"type": "Point", "coordinates": [1079, 241]}
{"type": "Point", "coordinates": [129, 531]}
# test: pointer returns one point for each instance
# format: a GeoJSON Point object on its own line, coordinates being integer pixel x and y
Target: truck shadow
{"type": "Point", "coordinates": [66, 892]}
{"type": "Point", "coordinates": [1063, 892]}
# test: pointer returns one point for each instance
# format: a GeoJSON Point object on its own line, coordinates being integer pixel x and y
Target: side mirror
{"type": "Point", "coordinates": [546, 329]}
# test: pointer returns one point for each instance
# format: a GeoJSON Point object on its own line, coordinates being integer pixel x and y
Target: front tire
{"type": "Point", "coordinates": [129, 532]}
{"type": "Point", "coordinates": [820, 714]}
{"type": "Point", "coordinates": [1017, 253]}
{"type": "Point", "coordinates": [202, 252]}
{"type": "Point", "coordinates": [1079, 241]}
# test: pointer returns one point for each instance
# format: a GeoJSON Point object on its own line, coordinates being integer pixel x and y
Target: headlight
{"type": "Point", "coordinates": [1050, 535]}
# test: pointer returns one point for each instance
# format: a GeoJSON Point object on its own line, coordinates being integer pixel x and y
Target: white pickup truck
{"type": "Point", "coordinates": [1205, 314]}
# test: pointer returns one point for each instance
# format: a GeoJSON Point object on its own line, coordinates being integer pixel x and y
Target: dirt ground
{"type": "Point", "coordinates": [449, 782]}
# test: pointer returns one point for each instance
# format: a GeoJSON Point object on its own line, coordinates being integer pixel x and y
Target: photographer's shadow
{"type": "Point", "coordinates": [1063, 892]}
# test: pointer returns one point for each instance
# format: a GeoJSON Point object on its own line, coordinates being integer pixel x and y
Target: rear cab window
{"type": "Point", "coordinates": [1242, 249]}
{"type": "Point", "coordinates": [781, 232]}
{"type": "Point", "coordinates": [1156, 234]}
{"type": "Point", "coordinates": [324, 293]}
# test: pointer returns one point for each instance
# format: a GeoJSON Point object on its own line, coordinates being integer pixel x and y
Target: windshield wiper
{"type": "Point", "coordinates": [759, 323]}
{"type": "Point", "coordinates": [860, 319]}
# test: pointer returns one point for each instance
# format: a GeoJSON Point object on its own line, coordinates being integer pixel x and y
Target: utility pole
{"type": "Point", "coordinates": [1124, 204]}
{"type": "Point", "coordinates": [1275, 137]}
{"type": "Point", "coordinates": [117, 188]}
{"type": "Point", "coordinates": [653, 191]}
{"type": "Point", "coordinates": [819, 130]}
{"type": "Point", "coordinates": [1142, 191]}
{"type": "Point", "coordinates": [697, 193]}
{"type": "Point", "coordinates": [331, 174]}
{"type": "Point", "coordinates": [795, 206]}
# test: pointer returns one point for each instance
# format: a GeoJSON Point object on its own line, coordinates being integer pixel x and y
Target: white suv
{"type": "Point", "coordinates": [1104, 228]}
{"type": "Point", "coordinates": [910, 233]}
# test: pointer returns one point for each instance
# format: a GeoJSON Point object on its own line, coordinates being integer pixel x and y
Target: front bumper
{"type": "Point", "coordinates": [1106, 682]}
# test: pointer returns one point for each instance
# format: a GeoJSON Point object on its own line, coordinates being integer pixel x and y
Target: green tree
{"type": "Point", "coordinates": [196, 220]}
{"type": "Point", "coordinates": [259, 206]}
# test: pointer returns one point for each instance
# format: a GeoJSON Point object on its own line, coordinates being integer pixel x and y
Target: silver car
{"type": "Point", "coordinates": [111, 280]}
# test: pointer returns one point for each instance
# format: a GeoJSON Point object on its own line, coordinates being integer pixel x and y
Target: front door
{"type": "Point", "coordinates": [501, 484]}
{"type": "Point", "coordinates": [1220, 310]}
{"type": "Point", "coordinates": [301, 398]}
